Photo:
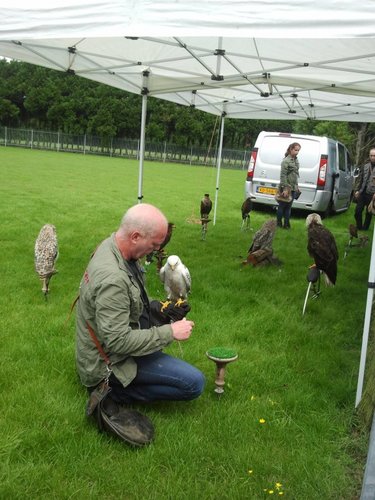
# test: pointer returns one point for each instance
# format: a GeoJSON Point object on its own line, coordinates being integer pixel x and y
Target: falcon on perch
{"type": "Point", "coordinates": [176, 279]}
{"type": "Point", "coordinates": [46, 253]}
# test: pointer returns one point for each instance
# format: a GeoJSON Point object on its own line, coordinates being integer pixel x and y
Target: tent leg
{"type": "Point", "coordinates": [366, 326]}
{"type": "Point", "coordinates": [143, 133]}
{"type": "Point", "coordinates": [219, 164]}
{"type": "Point", "coordinates": [142, 148]}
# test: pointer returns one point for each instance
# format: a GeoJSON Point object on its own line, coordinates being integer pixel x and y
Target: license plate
{"type": "Point", "coordinates": [266, 190]}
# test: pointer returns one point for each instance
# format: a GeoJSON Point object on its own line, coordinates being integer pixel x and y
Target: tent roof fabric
{"type": "Point", "coordinates": [22, 19]}
{"type": "Point", "coordinates": [253, 62]}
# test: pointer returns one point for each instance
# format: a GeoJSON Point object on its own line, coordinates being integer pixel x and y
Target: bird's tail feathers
{"type": "Point", "coordinates": [327, 281]}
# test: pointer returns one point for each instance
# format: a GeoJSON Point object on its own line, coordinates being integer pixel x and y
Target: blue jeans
{"type": "Point", "coordinates": [284, 210]}
{"type": "Point", "coordinates": [159, 377]}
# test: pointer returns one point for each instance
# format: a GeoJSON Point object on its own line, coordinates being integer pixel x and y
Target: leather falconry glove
{"type": "Point", "coordinates": [165, 312]}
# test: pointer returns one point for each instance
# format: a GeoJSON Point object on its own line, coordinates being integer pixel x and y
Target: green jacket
{"type": "Point", "coordinates": [110, 301]}
{"type": "Point", "coordinates": [289, 173]}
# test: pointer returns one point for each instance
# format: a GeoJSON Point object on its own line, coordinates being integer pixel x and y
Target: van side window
{"type": "Point", "coordinates": [349, 162]}
{"type": "Point", "coordinates": [342, 158]}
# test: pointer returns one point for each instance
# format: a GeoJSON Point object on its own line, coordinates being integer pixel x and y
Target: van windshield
{"type": "Point", "coordinates": [273, 150]}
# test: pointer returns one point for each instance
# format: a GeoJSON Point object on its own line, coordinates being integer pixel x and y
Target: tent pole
{"type": "Point", "coordinates": [142, 148]}
{"type": "Point", "coordinates": [218, 163]}
{"type": "Point", "coordinates": [366, 326]}
{"type": "Point", "coordinates": [142, 138]}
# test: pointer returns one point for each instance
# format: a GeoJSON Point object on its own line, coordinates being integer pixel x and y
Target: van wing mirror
{"type": "Point", "coordinates": [356, 172]}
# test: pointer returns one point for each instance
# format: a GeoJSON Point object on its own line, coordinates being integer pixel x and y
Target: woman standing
{"type": "Point", "coordinates": [288, 184]}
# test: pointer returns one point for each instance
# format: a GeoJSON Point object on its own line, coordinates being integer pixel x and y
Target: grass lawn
{"type": "Point", "coordinates": [286, 422]}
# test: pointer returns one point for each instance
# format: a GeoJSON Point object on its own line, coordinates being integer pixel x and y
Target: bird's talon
{"type": "Point", "coordinates": [165, 304]}
{"type": "Point", "coordinates": [179, 302]}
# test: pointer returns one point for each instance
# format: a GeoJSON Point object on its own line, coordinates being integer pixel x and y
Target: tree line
{"type": "Point", "coordinates": [44, 99]}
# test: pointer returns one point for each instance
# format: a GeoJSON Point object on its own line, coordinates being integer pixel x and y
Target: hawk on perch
{"type": "Point", "coordinates": [246, 208]}
{"type": "Point", "coordinates": [206, 206]}
{"type": "Point", "coordinates": [205, 209]}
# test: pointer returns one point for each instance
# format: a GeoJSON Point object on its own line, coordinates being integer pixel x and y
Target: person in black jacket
{"type": "Point", "coordinates": [365, 192]}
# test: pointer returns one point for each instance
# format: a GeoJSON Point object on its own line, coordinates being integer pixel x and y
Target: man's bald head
{"type": "Point", "coordinates": [143, 228]}
{"type": "Point", "coordinates": [145, 218]}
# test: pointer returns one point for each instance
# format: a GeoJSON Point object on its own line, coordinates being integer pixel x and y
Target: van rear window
{"type": "Point", "coordinates": [272, 151]}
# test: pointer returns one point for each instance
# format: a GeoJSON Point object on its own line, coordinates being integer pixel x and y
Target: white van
{"type": "Point", "coordinates": [325, 172]}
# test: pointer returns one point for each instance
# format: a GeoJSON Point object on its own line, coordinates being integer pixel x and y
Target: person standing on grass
{"type": "Point", "coordinates": [364, 192]}
{"type": "Point", "coordinates": [114, 304]}
{"type": "Point", "coordinates": [288, 184]}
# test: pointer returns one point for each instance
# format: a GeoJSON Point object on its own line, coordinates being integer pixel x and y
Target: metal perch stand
{"type": "Point", "coordinates": [314, 283]}
{"type": "Point", "coordinates": [221, 356]}
{"type": "Point", "coordinates": [204, 227]}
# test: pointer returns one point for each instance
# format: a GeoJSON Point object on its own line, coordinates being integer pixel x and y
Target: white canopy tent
{"type": "Point", "coordinates": [270, 59]}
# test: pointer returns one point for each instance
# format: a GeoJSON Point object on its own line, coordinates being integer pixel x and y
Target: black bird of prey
{"type": "Point", "coordinates": [46, 252]}
{"type": "Point", "coordinates": [205, 209]}
{"type": "Point", "coordinates": [246, 208]}
{"type": "Point", "coordinates": [160, 253]}
{"type": "Point", "coordinates": [321, 246]}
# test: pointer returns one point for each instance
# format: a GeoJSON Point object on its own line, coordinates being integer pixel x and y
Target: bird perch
{"type": "Point", "coordinates": [221, 357]}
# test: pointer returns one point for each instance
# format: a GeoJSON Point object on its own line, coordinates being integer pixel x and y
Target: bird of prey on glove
{"type": "Point", "coordinates": [176, 279]}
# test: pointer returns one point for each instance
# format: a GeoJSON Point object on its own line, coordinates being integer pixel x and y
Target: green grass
{"type": "Point", "coordinates": [298, 374]}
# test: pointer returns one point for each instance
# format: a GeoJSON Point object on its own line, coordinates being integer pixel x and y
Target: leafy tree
{"type": "Point", "coordinates": [188, 129]}
{"type": "Point", "coordinates": [62, 115]}
{"type": "Point", "coordinates": [127, 108]}
{"type": "Point", "coordinates": [9, 112]}
{"type": "Point", "coordinates": [155, 132]}
{"type": "Point", "coordinates": [102, 123]}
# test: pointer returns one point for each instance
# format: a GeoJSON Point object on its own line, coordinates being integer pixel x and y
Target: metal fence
{"type": "Point", "coordinates": [124, 148]}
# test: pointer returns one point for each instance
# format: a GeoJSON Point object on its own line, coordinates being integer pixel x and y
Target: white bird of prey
{"type": "Point", "coordinates": [46, 253]}
{"type": "Point", "coordinates": [176, 278]}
